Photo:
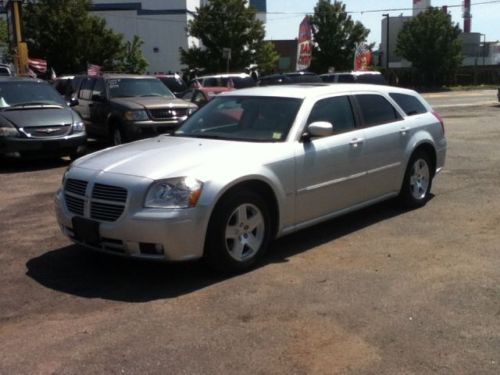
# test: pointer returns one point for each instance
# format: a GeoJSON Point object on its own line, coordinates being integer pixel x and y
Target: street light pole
{"type": "Point", "coordinates": [386, 15]}
{"type": "Point", "coordinates": [484, 47]}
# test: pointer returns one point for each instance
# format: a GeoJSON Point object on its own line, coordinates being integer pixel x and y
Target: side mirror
{"type": "Point", "coordinates": [318, 129]}
{"type": "Point", "coordinates": [73, 101]}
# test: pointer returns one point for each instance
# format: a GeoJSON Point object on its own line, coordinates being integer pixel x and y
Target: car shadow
{"type": "Point", "coordinates": [89, 274]}
{"type": "Point", "coordinates": [15, 165]}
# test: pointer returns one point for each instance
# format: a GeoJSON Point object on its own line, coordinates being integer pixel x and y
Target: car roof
{"type": "Point", "coordinates": [20, 79]}
{"type": "Point", "coordinates": [354, 72]}
{"type": "Point", "coordinates": [224, 75]}
{"type": "Point", "coordinates": [303, 90]}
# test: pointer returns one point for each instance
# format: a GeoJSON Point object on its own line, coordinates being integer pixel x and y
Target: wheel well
{"type": "Point", "coordinates": [431, 152]}
{"type": "Point", "coordinates": [264, 190]}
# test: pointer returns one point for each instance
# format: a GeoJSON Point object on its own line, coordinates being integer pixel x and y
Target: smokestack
{"type": "Point", "coordinates": [467, 16]}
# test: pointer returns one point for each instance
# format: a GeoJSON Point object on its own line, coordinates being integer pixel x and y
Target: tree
{"type": "Point", "coordinates": [3, 32]}
{"type": "Point", "coordinates": [430, 42]}
{"type": "Point", "coordinates": [335, 37]}
{"type": "Point", "coordinates": [63, 33]}
{"type": "Point", "coordinates": [228, 24]}
{"type": "Point", "coordinates": [134, 61]}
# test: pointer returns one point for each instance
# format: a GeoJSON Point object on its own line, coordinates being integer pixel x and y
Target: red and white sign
{"type": "Point", "coordinates": [305, 45]}
{"type": "Point", "coordinates": [93, 70]}
{"type": "Point", "coordinates": [362, 57]}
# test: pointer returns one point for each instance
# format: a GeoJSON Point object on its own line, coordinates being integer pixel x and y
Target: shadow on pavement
{"type": "Point", "coordinates": [88, 274]}
{"type": "Point", "coordinates": [14, 165]}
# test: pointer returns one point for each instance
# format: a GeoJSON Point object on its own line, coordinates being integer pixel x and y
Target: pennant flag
{"type": "Point", "coordinates": [93, 70]}
{"type": "Point", "coordinates": [38, 65]}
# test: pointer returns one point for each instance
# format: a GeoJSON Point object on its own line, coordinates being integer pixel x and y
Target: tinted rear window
{"type": "Point", "coordinates": [376, 110]}
{"type": "Point", "coordinates": [409, 104]}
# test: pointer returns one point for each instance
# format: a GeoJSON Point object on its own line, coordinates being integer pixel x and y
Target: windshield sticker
{"type": "Point", "coordinates": [113, 83]}
{"type": "Point", "coordinates": [276, 135]}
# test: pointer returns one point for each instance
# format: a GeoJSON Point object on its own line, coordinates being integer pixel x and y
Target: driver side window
{"type": "Point", "coordinates": [337, 111]}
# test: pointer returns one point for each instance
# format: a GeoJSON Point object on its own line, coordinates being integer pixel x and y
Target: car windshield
{"type": "Point", "coordinates": [173, 83]}
{"type": "Point", "coordinates": [250, 118]}
{"type": "Point", "coordinates": [133, 87]}
{"type": "Point", "coordinates": [24, 93]}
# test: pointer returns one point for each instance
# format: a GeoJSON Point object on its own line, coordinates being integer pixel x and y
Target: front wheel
{"type": "Point", "coordinates": [239, 232]}
{"type": "Point", "coordinates": [117, 136]}
{"type": "Point", "coordinates": [417, 182]}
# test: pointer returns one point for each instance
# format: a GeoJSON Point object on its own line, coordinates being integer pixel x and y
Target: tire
{"type": "Point", "coordinates": [417, 183]}
{"type": "Point", "coordinates": [117, 135]}
{"type": "Point", "coordinates": [239, 232]}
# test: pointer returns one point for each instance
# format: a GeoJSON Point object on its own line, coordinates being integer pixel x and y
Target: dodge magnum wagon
{"type": "Point", "coordinates": [250, 166]}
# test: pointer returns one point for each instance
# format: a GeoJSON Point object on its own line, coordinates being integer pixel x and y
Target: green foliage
{"type": "Point", "coordinates": [68, 37]}
{"type": "Point", "coordinates": [335, 37]}
{"type": "Point", "coordinates": [228, 24]}
{"type": "Point", "coordinates": [3, 31]}
{"type": "Point", "coordinates": [430, 42]}
{"type": "Point", "coordinates": [134, 61]}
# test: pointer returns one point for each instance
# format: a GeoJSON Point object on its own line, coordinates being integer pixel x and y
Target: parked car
{"type": "Point", "coordinates": [371, 77]}
{"type": "Point", "coordinates": [288, 78]}
{"type": "Point", "coordinates": [202, 95]}
{"type": "Point", "coordinates": [125, 107]}
{"type": "Point", "coordinates": [234, 80]}
{"type": "Point", "coordinates": [250, 166]}
{"type": "Point", "coordinates": [5, 70]}
{"type": "Point", "coordinates": [35, 120]}
{"type": "Point", "coordinates": [67, 85]}
{"type": "Point", "coordinates": [174, 82]}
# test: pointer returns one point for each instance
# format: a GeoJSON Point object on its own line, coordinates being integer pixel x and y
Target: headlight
{"type": "Point", "coordinates": [140, 115]}
{"type": "Point", "coordinates": [78, 127]}
{"type": "Point", "coordinates": [181, 192]}
{"type": "Point", "coordinates": [7, 130]}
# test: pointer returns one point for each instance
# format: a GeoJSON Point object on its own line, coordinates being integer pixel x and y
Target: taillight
{"type": "Point", "coordinates": [440, 119]}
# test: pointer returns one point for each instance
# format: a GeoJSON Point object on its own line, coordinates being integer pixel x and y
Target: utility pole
{"type": "Point", "coordinates": [16, 39]}
{"type": "Point", "coordinates": [386, 15]}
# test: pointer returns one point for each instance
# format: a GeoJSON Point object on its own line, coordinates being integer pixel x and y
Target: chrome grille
{"type": "Point", "coordinates": [109, 193]}
{"type": "Point", "coordinates": [75, 205]}
{"type": "Point", "coordinates": [76, 186]}
{"type": "Point", "coordinates": [106, 203]}
{"type": "Point", "coordinates": [48, 131]}
{"type": "Point", "coordinates": [168, 113]}
{"type": "Point", "coordinates": [105, 211]}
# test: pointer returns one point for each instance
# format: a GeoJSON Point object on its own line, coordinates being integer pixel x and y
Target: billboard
{"type": "Point", "coordinates": [304, 48]}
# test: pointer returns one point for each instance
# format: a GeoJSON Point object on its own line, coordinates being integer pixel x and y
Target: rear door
{"type": "Point", "coordinates": [386, 136]}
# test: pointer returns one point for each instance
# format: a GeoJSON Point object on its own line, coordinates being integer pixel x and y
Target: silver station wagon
{"type": "Point", "coordinates": [250, 166]}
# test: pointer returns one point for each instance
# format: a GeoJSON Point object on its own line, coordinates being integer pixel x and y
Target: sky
{"type": "Point", "coordinates": [284, 16]}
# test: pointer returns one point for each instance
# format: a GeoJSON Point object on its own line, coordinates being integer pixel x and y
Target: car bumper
{"type": "Point", "coordinates": [61, 145]}
{"type": "Point", "coordinates": [146, 129]}
{"type": "Point", "coordinates": [156, 234]}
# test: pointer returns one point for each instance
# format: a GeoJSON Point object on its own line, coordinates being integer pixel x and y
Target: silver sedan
{"type": "Point", "coordinates": [250, 166]}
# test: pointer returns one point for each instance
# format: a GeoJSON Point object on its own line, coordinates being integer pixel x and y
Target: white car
{"type": "Point", "coordinates": [250, 166]}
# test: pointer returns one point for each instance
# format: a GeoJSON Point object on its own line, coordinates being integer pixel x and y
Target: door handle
{"type": "Point", "coordinates": [355, 142]}
{"type": "Point", "coordinates": [404, 130]}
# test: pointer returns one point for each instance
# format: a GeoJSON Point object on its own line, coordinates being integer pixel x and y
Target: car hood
{"type": "Point", "coordinates": [170, 156]}
{"type": "Point", "coordinates": [38, 116]}
{"type": "Point", "coordinates": [151, 102]}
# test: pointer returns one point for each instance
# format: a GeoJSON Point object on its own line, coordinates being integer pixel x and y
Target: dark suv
{"type": "Point", "coordinates": [125, 107]}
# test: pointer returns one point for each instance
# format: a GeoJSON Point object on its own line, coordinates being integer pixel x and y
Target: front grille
{"type": "Point", "coordinates": [106, 203]}
{"type": "Point", "coordinates": [76, 186]}
{"type": "Point", "coordinates": [168, 113]}
{"type": "Point", "coordinates": [48, 131]}
{"type": "Point", "coordinates": [75, 205]}
{"type": "Point", "coordinates": [105, 211]}
{"type": "Point", "coordinates": [109, 193]}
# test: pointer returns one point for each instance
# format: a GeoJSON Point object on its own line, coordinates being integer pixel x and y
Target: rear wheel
{"type": "Point", "coordinates": [239, 232]}
{"type": "Point", "coordinates": [417, 183]}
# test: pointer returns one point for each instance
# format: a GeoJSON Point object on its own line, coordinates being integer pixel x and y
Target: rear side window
{"type": "Point", "coordinates": [410, 104]}
{"type": "Point", "coordinates": [336, 110]}
{"type": "Point", "coordinates": [376, 110]}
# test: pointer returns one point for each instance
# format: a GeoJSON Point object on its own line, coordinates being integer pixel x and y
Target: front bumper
{"type": "Point", "coordinates": [60, 145]}
{"type": "Point", "coordinates": [157, 234]}
{"type": "Point", "coordinates": [145, 129]}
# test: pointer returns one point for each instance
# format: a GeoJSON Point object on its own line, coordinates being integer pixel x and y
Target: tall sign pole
{"type": "Point", "coordinates": [15, 27]}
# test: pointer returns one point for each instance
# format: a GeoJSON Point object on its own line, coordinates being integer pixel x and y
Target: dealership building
{"type": "Point", "coordinates": [160, 24]}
